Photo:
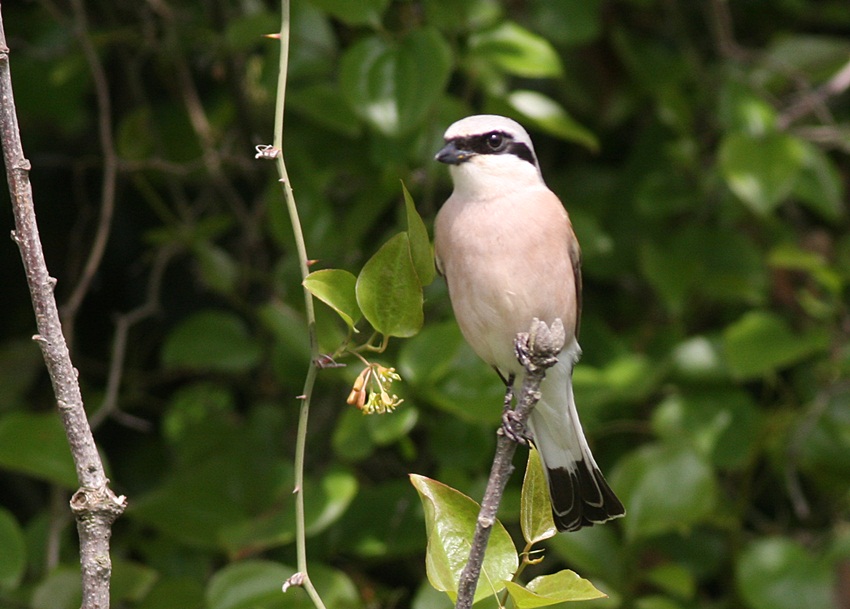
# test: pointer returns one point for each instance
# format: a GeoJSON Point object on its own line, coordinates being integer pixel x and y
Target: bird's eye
{"type": "Point", "coordinates": [495, 141]}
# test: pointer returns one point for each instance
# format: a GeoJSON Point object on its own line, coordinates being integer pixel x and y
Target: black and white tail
{"type": "Point", "coordinates": [580, 495]}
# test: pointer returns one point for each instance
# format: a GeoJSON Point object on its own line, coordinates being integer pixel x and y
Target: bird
{"type": "Point", "coordinates": [505, 245]}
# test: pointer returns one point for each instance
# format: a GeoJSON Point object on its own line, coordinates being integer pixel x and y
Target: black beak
{"type": "Point", "coordinates": [452, 155]}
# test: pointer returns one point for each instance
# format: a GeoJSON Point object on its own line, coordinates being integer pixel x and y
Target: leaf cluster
{"type": "Point", "coordinates": [701, 150]}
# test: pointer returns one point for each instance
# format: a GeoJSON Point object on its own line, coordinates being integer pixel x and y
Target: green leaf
{"type": "Point", "coordinates": [20, 364]}
{"type": "Point", "coordinates": [722, 424]}
{"type": "Point", "coordinates": [35, 445]}
{"type": "Point", "coordinates": [551, 589]}
{"type": "Point", "coordinates": [761, 171]}
{"type": "Point", "coordinates": [777, 573]}
{"type": "Point", "coordinates": [666, 488]}
{"type": "Point", "coordinates": [568, 22]}
{"type": "Point", "coordinates": [247, 584]}
{"type": "Point", "coordinates": [819, 185]}
{"type": "Point", "coordinates": [550, 116]}
{"type": "Point", "coordinates": [336, 288]}
{"type": "Point", "coordinates": [61, 589]}
{"type": "Point", "coordinates": [596, 551]}
{"type": "Point", "coordinates": [535, 515]}
{"type": "Point", "coordinates": [420, 244]}
{"type": "Point", "coordinates": [211, 340]}
{"type": "Point", "coordinates": [674, 579]}
{"type": "Point", "coordinates": [443, 369]}
{"type": "Point", "coordinates": [131, 581]}
{"type": "Point", "coordinates": [252, 584]}
{"type": "Point", "coordinates": [217, 268]}
{"type": "Point", "coordinates": [361, 12]}
{"type": "Point", "coordinates": [393, 85]}
{"type": "Point", "coordinates": [450, 518]}
{"type": "Point", "coordinates": [761, 342]}
{"type": "Point", "coordinates": [388, 290]}
{"type": "Point", "coordinates": [324, 104]}
{"type": "Point", "coordinates": [515, 50]}
{"type": "Point", "coordinates": [14, 555]}
{"type": "Point", "coordinates": [179, 591]}
{"type": "Point", "coordinates": [326, 503]}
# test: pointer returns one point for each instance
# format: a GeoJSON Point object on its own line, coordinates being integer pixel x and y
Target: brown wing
{"type": "Point", "coordinates": [575, 258]}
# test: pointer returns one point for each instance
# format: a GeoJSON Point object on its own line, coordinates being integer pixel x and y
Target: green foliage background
{"type": "Point", "coordinates": [703, 158]}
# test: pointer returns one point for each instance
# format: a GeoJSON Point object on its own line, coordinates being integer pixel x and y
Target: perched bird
{"type": "Point", "coordinates": [506, 247]}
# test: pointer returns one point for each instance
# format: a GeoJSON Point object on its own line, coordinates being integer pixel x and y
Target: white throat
{"type": "Point", "coordinates": [487, 176]}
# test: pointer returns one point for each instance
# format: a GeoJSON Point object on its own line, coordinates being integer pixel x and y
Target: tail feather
{"type": "Point", "coordinates": [580, 495]}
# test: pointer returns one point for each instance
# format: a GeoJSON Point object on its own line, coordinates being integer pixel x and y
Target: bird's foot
{"type": "Point", "coordinates": [513, 428]}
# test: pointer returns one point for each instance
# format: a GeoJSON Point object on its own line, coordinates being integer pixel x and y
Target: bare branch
{"type": "Point", "coordinates": [94, 504]}
{"type": "Point", "coordinates": [110, 169]}
{"type": "Point", "coordinates": [537, 351]}
{"type": "Point", "coordinates": [816, 98]}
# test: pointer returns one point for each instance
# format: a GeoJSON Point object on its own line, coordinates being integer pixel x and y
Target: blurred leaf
{"type": "Point", "coordinates": [761, 342]}
{"type": "Point", "coordinates": [776, 573]}
{"type": "Point", "coordinates": [674, 579]}
{"type": "Point", "coordinates": [819, 184]}
{"type": "Point", "coordinates": [420, 244]}
{"type": "Point", "coordinates": [388, 290]}
{"type": "Point", "coordinates": [338, 488]}
{"type": "Point", "coordinates": [193, 404]}
{"type": "Point", "coordinates": [211, 340]}
{"type": "Point", "coordinates": [392, 85]}
{"type": "Point", "coordinates": [351, 439]}
{"type": "Point", "coordinates": [816, 56]}
{"type": "Point", "coordinates": [826, 449]}
{"type": "Point", "coordinates": [514, 49]}
{"type": "Point", "coordinates": [217, 268]}
{"type": "Point", "coordinates": [20, 364]}
{"type": "Point", "coordinates": [569, 22]}
{"type": "Point", "coordinates": [665, 488]}
{"type": "Point", "coordinates": [167, 593]}
{"type": "Point", "coordinates": [450, 518]}
{"type": "Point", "coordinates": [536, 509]}
{"type": "Point", "coordinates": [362, 12]}
{"type": "Point", "coordinates": [550, 116]}
{"type": "Point", "coordinates": [443, 368]}
{"type": "Point", "coordinates": [35, 445]}
{"type": "Point", "coordinates": [247, 584]}
{"type": "Point", "coordinates": [594, 550]}
{"type": "Point", "coordinates": [131, 581]}
{"type": "Point", "coordinates": [246, 31]}
{"type": "Point", "coordinates": [699, 358]}
{"type": "Point", "coordinates": [61, 589]}
{"type": "Point", "coordinates": [14, 555]}
{"type": "Point", "coordinates": [324, 104]}
{"type": "Point", "coordinates": [761, 171]}
{"type": "Point", "coordinates": [385, 430]}
{"type": "Point", "coordinates": [551, 589]}
{"type": "Point", "coordinates": [383, 522]}
{"type": "Point", "coordinates": [722, 424]}
{"type": "Point", "coordinates": [336, 288]}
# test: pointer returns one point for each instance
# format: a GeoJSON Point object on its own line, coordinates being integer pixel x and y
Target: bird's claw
{"type": "Point", "coordinates": [513, 429]}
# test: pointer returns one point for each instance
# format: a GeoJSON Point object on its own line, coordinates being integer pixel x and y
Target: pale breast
{"type": "Point", "coordinates": [506, 262]}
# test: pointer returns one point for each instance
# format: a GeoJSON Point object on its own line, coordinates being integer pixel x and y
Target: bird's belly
{"type": "Point", "coordinates": [500, 299]}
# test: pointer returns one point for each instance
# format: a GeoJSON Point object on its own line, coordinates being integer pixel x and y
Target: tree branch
{"type": "Point", "coordinates": [537, 351]}
{"type": "Point", "coordinates": [95, 506]}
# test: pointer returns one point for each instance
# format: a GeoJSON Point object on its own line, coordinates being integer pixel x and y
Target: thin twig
{"type": "Point", "coordinates": [123, 324]}
{"type": "Point", "coordinates": [816, 98]}
{"type": "Point", "coordinates": [94, 504]}
{"type": "Point", "coordinates": [110, 170]}
{"type": "Point", "coordinates": [301, 577]}
{"type": "Point", "coordinates": [536, 351]}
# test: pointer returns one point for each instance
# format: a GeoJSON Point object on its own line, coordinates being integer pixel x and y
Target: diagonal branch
{"type": "Point", "coordinates": [95, 506]}
{"type": "Point", "coordinates": [537, 351]}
